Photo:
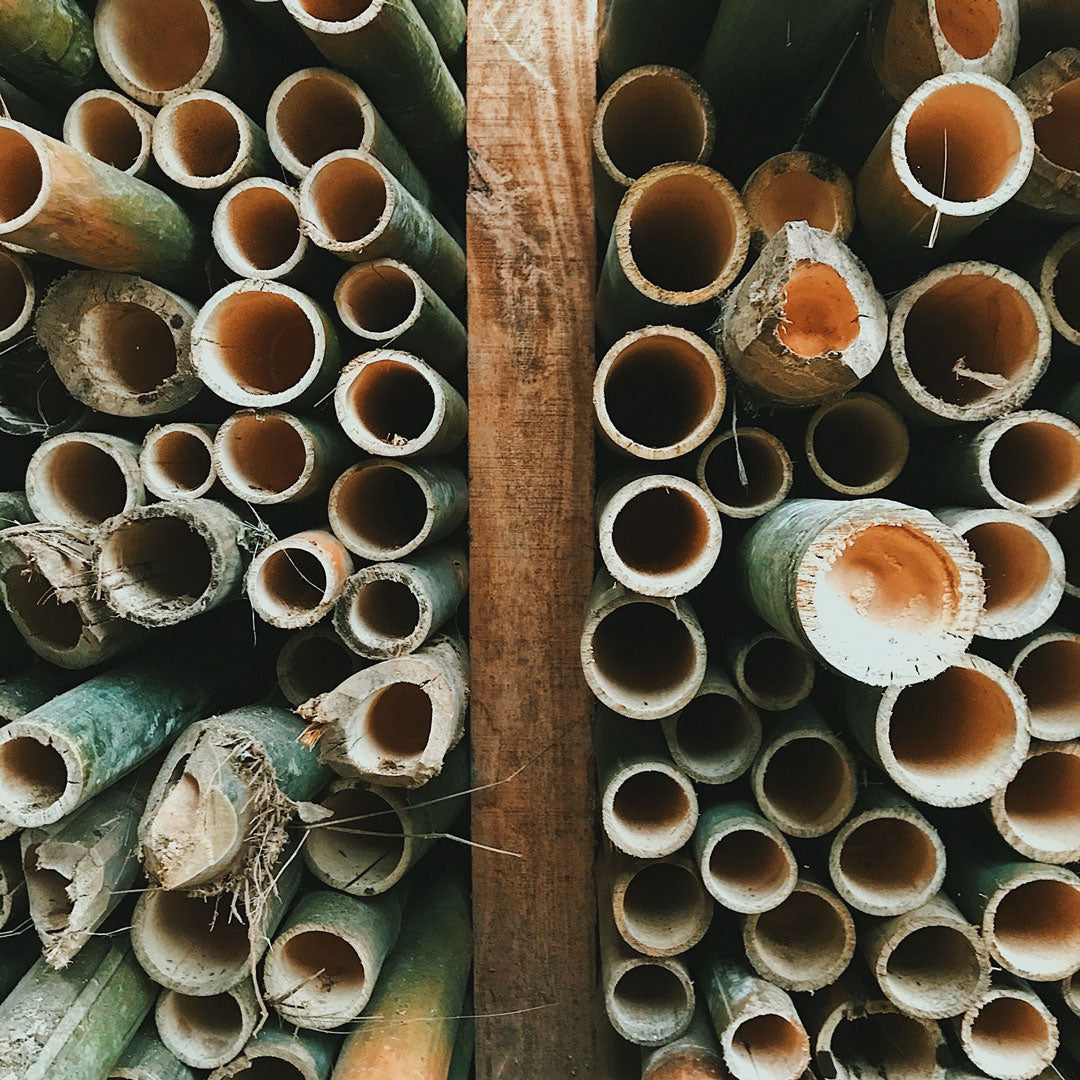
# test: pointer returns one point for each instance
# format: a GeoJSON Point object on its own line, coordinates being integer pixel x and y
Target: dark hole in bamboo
{"type": "Point", "coordinates": [1035, 463]}
{"type": "Point", "coordinates": [34, 599]}
{"type": "Point", "coordinates": [84, 481]}
{"type": "Point", "coordinates": [859, 441]}
{"type": "Point", "coordinates": [1015, 566]}
{"type": "Point", "coordinates": [931, 964]}
{"type": "Point", "coordinates": [208, 1027]}
{"type": "Point", "coordinates": [294, 579]}
{"type": "Point", "coordinates": [1058, 132]}
{"type": "Point", "coordinates": [886, 856]}
{"type": "Point", "coordinates": [774, 669]}
{"type": "Point", "coordinates": [335, 10]}
{"type": "Point", "coordinates": [1037, 926]}
{"type": "Point", "coordinates": [762, 466]}
{"type": "Point", "coordinates": [378, 298]}
{"type": "Point", "coordinates": [800, 937]}
{"type": "Point", "coordinates": [132, 343]}
{"type": "Point", "coordinates": [650, 802]}
{"type": "Point", "coordinates": [21, 176]}
{"type": "Point", "coordinates": [205, 137]}
{"type": "Point", "coordinates": [106, 130]}
{"type": "Point", "coordinates": [154, 562]}
{"type": "Point", "coordinates": [797, 195]}
{"type": "Point", "coordinates": [392, 400]}
{"type": "Point", "coordinates": [660, 531]}
{"type": "Point", "coordinates": [711, 728]}
{"type": "Point", "coordinates": [383, 506]}
{"type": "Point", "coordinates": [323, 968]}
{"type": "Point", "coordinates": [398, 722]}
{"type": "Point", "coordinates": [187, 935]}
{"type": "Point", "coordinates": [1066, 286]}
{"type": "Point", "coordinates": [1013, 1036]}
{"type": "Point", "coordinates": [389, 608]}
{"type": "Point", "coordinates": [317, 116]}
{"type": "Point", "coordinates": [769, 1046]}
{"type": "Point", "coordinates": [882, 1046]}
{"type": "Point", "coordinates": [264, 453]}
{"type": "Point", "coordinates": [1050, 677]}
{"type": "Point", "coordinates": [33, 775]}
{"type": "Point", "coordinates": [661, 904]}
{"type": "Point", "coordinates": [348, 197]}
{"type": "Point", "coordinates": [316, 664]}
{"type": "Point", "coordinates": [180, 459]}
{"type": "Point", "coordinates": [646, 991]}
{"type": "Point", "coordinates": [264, 226]}
{"type": "Point", "coordinates": [747, 867]}
{"type": "Point", "coordinates": [806, 781]}
{"type": "Point", "coordinates": [643, 648]}
{"type": "Point", "coordinates": [365, 851]}
{"type": "Point", "coordinates": [269, 1068]}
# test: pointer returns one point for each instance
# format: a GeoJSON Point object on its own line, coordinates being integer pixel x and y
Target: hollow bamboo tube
{"type": "Point", "coordinates": [62, 754]}
{"type": "Point", "coordinates": [798, 186]}
{"type": "Point", "coordinates": [886, 859]}
{"type": "Point", "coordinates": [13, 892]}
{"type": "Point", "coordinates": [313, 662]}
{"type": "Point", "coordinates": [1027, 461]}
{"type": "Point", "coordinates": [659, 393]}
{"type": "Point", "coordinates": [62, 202]}
{"type": "Point", "coordinates": [325, 960]}
{"type": "Point", "coordinates": [650, 116]}
{"type": "Point", "coordinates": [1023, 569]}
{"type": "Point", "coordinates": [33, 686]}
{"type": "Point", "coordinates": [75, 1022]}
{"type": "Point", "coordinates": [804, 943]}
{"type": "Point", "coordinates": [18, 295]}
{"type": "Point", "coordinates": [386, 302]}
{"type": "Point", "coordinates": [745, 471]}
{"type": "Point", "coordinates": [383, 509]}
{"type": "Point", "coordinates": [353, 205]}
{"type": "Point", "coordinates": [804, 778]}
{"type": "Point", "coordinates": [392, 404]}
{"type": "Point", "coordinates": [49, 45]}
{"type": "Point", "coordinates": [203, 947]}
{"type": "Point", "coordinates": [217, 813]}
{"type": "Point", "coordinates": [302, 1056]}
{"type": "Point", "coordinates": [1059, 285]}
{"type": "Point", "coordinates": [920, 184]}
{"type": "Point", "coordinates": [390, 50]}
{"type": "Point", "coordinates": [770, 671]}
{"type": "Point", "coordinates": [112, 128]}
{"type": "Point", "coordinates": [806, 322]}
{"type": "Point", "coordinates": [648, 808]}
{"type": "Point", "coordinates": [884, 593]}
{"type": "Point", "coordinates": [694, 1055]}
{"type": "Point", "coordinates": [411, 1020]}
{"type": "Point", "coordinates": [82, 479]}
{"type": "Point", "coordinates": [147, 1058]}
{"type": "Point", "coordinates": [714, 737]}
{"type": "Point", "coordinates": [1009, 1032]}
{"type": "Point", "coordinates": [394, 722]}
{"type": "Point", "coordinates": [48, 587]}
{"type": "Point", "coordinates": [268, 456]}
{"type": "Point", "coordinates": [856, 445]}
{"type": "Point", "coordinates": [761, 1035]}
{"type": "Point", "coordinates": [205, 1032]}
{"type": "Point", "coordinates": [744, 860]}
{"type": "Point", "coordinates": [679, 239]}
{"type": "Point", "coordinates": [660, 534]}
{"type": "Point", "coordinates": [295, 582]}
{"type": "Point", "coordinates": [390, 609]}
{"type": "Point", "coordinates": [378, 834]}
{"type": "Point", "coordinates": [120, 344]}
{"type": "Point", "coordinates": [162, 564]}
{"type": "Point", "coordinates": [1044, 667]}
{"type": "Point", "coordinates": [176, 460]}
{"type": "Point", "coordinates": [33, 400]}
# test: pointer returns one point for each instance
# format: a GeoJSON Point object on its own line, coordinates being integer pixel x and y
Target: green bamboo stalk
{"type": "Point", "coordinates": [633, 34]}
{"type": "Point", "coordinates": [310, 1053]}
{"type": "Point", "coordinates": [147, 1058]}
{"type": "Point", "coordinates": [48, 44]}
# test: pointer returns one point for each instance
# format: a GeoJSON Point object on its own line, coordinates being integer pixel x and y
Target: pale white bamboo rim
{"type": "Point", "coordinates": [76, 119]}
{"type": "Point", "coordinates": [168, 158]}
{"type": "Point", "coordinates": [784, 474]}
{"type": "Point", "coordinates": [1066, 244]}
{"type": "Point", "coordinates": [890, 428]}
{"type": "Point", "coordinates": [229, 471]}
{"type": "Point", "coordinates": [231, 249]}
{"type": "Point", "coordinates": [272, 604]}
{"type": "Point", "coordinates": [158, 477]}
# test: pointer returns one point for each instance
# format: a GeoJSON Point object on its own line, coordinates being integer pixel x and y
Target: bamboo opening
{"type": "Point", "coordinates": [962, 142]}
{"type": "Point", "coordinates": [646, 992]}
{"type": "Point", "coordinates": [264, 226]}
{"type": "Point", "coordinates": [186, 936]}
{"type": "Point", "coordinates": [884, 1046]}
{"type": "Point", "coordinates": [269, 1068]}
{"type": "Point", "coordinates": [106, 129]}
{"type": "Point", "coordinates": [207, 1028]}
{"type": "Point", "coordinates": [397, 721]}
{"type": "Point", "coordinates": [336, 10]}
{"type": "Point", "coordinates": [930, 968]}
{"type": "Point", "coordinates": [291, 579]}
{"type": "Point", "coordinates": [380, 507]}
{"type": "Point", "coordinates": [16, 299]}
{"type": "Point", "coordinates": [857, 444]}
{"type": "Point", "coordinates": [317, 115]}
{"type": "Point", "coordinates": [662, 906]}
{"type": "Point", "coordinates": [643, 648]}
{"type": "Point", "coordinates": [1050, 677]}
{"type": "Point", "coordinates": [21, 174]}
{"type": "Point", "coordinates": [178, 462]}
{"type": "Point", "coordinates": [649, 804]}
{"type": "Point", "coordinates": [312, 664]}
{"type": "Point", "coordinates": [1036, 927]}
{"type": "Point", "coordinates": [348, 199]}
{"type": "Point", "coordinates": [749, 870]}
{"type": "Point", "coordinates": [970, 26]}
{"type": "Point", "coordinates": [131, 343]}
{"type": "Point", "coordinates": [660, 530]}
{"type": "Point", "coordinates": [203, 135]}
{"type": "Point", "coordinates": [392, 401]}
{"type": "Point", "coordinates": [33, 775]}
{"type": "Point", "coordinates": [385, 609]}
{"type": "Point", "coordinates": [1016, 568]}
{"type": "Point", "coordinates": [1012, 1037]}
{"type": "Point", "coordinates": [1057, 134]}
{"type": "Point", "coordinates": [323, 973]}
{"type": "Point", "coordinates": [358, 854]}
{"type": "Point", "coordinates": [820, 314]}
{"type": "Point", "coordinates": [808, 785]}
{"type": "Point", "coordinates": [1042, 802]}
{"type": "Point", "coordinates": [801, 939]}
{"type": "Point", "coordinates": [1066, 286]}
{"type": "Point", "coordinates": [51, 902]}
{"type": "Point", "coordinates": [775, 673]}
{"type": "Point", "coordinates": [82, 481]}
{"type": "Point", "coordinates": [32, 597]}
{"type": "Point", "coordinates": [798, 195]}
{"type": "Point", "coordinates": [263, 453]}
{"type": "Point", "coordinates": [714, 730]}
{"type": "Point", "coordinates": [768, 1046]}
{"type": "Point", "coordinates": [377, 298]}
{"type": "Point", "coordinates": [762, 481]}
{"type": "Point", "coordinates": [1036, 464]}
{"type": "Point", "coordinates": [888, 864]}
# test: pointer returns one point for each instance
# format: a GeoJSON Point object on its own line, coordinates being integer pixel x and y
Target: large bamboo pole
{"type": "Point", "coordinates": [49, 44]}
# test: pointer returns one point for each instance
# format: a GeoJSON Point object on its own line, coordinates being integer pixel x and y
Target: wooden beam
{"type": "Point", "coordinates": [531, 252]}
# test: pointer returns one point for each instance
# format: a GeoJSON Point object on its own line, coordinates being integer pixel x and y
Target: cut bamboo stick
{"type": "Point", "coordinates": [770, 671]}
{"type": "Point", "coordinates": [856, 445]}
{"type": "Point", "coordinates": [313, 662]}
{"type": "Point", "coordinates": [18, 295]}
{"type": "Point", "coordinates": [1059, 285]}
{"type": "Point", "coordinates": [745, 471]}
{"type": "Point", "coordinates": [112, 128]}
{"type": "Point", "coordinates": [631, 35]}
{"type": "Point", "coordinates": [1044, 668]}
{"type": "Point", "coordinates": [1009, 1032]}
{"type": "Point", "coordinates": [205, 1032]}
{"type": "Point", "coordinates": [49, 46]}
{"type": "Point", "coordinates": [881, 592]}
{"type": "Point", "coordinates": [694, 1055]}
{"type": "Point", "coordinates": [147, 1058]}
{"type": "Point", "coordinates": [277, 1051]}
{"type": "Point", "coordinates": [177, 461]}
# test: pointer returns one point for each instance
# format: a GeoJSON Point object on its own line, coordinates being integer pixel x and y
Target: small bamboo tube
{"type": "Point", "coordinates": [930, 962]}
{"type": "Point", "coordinates": [386, 302]}
{"type": "Point", "coordinates": [806, 322]}
{"type": "Point", "coordinates": [1045, 668]}
{"type": "Point", "coordinates": [33, 686]}
{"type": "Point", "coordinates": [112, 128]}
{"type": "Point", "coordinates": [392, 404]}
{"type": "Point", "coordinates": [377, 834]}
{"type": "Point", "coordinates": [680, 237]}
{"type": "Point", "coordinates": [694, 1055]}
{"type": "Point", "coordinates": [62, 202]}
{"type": "Point", "coordinates": [648, 808]}
{"type": "Point", "coordinates": [804, 943]}
{"type": "Point", "coordinates": [295, 582]}
{"type": "Point", "coordinates": [650, 116]}
{"type": "Point", "coordinates": [744, 860]}
{"type": "Point", "coordinates": [410, 1023]}
{"type": "Point", "coordinates": [268, 456]}
{"type": "Point", "coordinates": [1027, 461]}
{"type": "Point", "coordinates": [967, 342]}
{"type": "Point", "coordinates": [82, 1017]}
{"type": "Point", "coordinates": [745, 471]}
{"type": "Point", "coordinates": [201, 948]}
{"type": "Point", "coordinates": [715, 737]}
{"type": "Point", "coordinates": [176, 460]}
{"type": "Point", "coordinates": [390, 609]}
{"type": "Point", "coordinates": [952, 740]}
{"type": "Point", "coordinates": [1038, 812]}
{"type": "Point", "coordinates": [275, 1050]}
{"type": "Point", "coordinates": [1059, 285]}
{"type": "Point", "coordinates": [660, 906]}
{"type": "Point", "coordinates": [147, 1058]}
{"type": "Point", "coordinates": [18, 295]}
{"type": "Point", "coordinates": [804, 778]}
{"type": "Point", "coordinates": [13, 891]}
{"type": "Point", "coordinates": [1023, 569]}
{"type": "Point", "coordinates": [120, 344]}
{"type": "Point", "coordinates": [643, 656]}
{"type": "Point", "coordinates": [263, 344]}
{"type": "Point", "coordinates": [324, 963]}
{"type": "Point", "coordinates": [856, 445]}
{"type": "Point", "coordinates": [218, 808]}
{"type": "Point", "coordinates": [313, 662]}
{"type": "Point", "coordinates": [771, 672]}
{"type": "Point", "coordinates": [631, 35]}
{"type": "Point", "coordinates": [798, 186]}
{"type": "Point", "coordinates": [394, 722]}
{"type": "Point", "coordinates": [886, 859]}
{"type": "Point", "coordinates": [82, 479]}
{"type": "Point", "coordinates": [49, 45]}
{"type": "Point", "coordinates": [1049, 92]}
{"type": "Point", "coordinates": [384, 509]}
{"type": "Point", "coordinates": [205, 1032]}
{"type": "Point", "coordinates": [884, 593]}
{"type": "Point", "coordinates": [761, 1035]}
{"type": "Point", "coordinates": [49, 591]}
{"type": "Point", "coordinates": [659, 393]}
{"type": "Point", "coordinates": [660, 534]}
{"type": "Point", "coordinates": [1009, 1032]}
{"type": "Point", "coordinates": [390, 50]}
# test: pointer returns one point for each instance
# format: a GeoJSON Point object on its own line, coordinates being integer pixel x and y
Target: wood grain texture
{"type": "Point", "coordinates": [531, 254]}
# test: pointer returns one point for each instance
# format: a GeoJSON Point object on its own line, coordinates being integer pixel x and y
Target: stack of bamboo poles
{"type": "Point", "coordinates": [832, 639]}
{"type": "Point", "coordinates": [231, 386]}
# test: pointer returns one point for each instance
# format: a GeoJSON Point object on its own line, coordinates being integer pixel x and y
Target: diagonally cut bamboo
{"type": "Point", "coordinates": [205, 1032]}
{"type": "Point", "coordinates": [313, 662]}
{"type": "Point", "coordinates": [857, 444]}
{"type": "Point", "coordinates": [112, 128]}
{"type": "Point", "coordinates": [770, 671]}
{"type": "Point", "coordinates": [745, 471]}
{"type": "Point", "coordinates": [177, 461]}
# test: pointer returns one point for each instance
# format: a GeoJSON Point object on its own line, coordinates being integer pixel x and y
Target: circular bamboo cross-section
{"type": "Point", "coordinates": [1047, 670]}
{"type": "Point", "coordinates": [881, 592]}
{"type": "Point", "coordinates": [659, 393]}
{"type": "Point", "coordinates": [256, 229]}
{"type": "Point", "coordinates": [112, 128]}
{"type": "Point", "coordinates": [857, 444]}
{"type": "Point", "coordinates": [745, 471]}
{"type": "Point", "coordinates": [648, 808]}
{"type": "Point", "coordinates": [1009, 1032]}
{"type": "Point", "coordinates": [1059, 285]}
{"type": "Point", "coordinates": [772, 672]}
{"type": "Point", "coordinates": [18, 295]}
{"type": "Point", "coordinates": [295, 582]}
{"type": "Point", "coordinates": [177, 460]}
{"type": "Point", "coordinates": [649, 999]}
{"type": "Point", "coordinates": [312, 662]}
{"type": "Point", "coordinates": [205, 1032]}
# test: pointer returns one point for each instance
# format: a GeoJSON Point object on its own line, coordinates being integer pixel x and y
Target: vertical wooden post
{"type": "Point", "coordinates": [531, 282]}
